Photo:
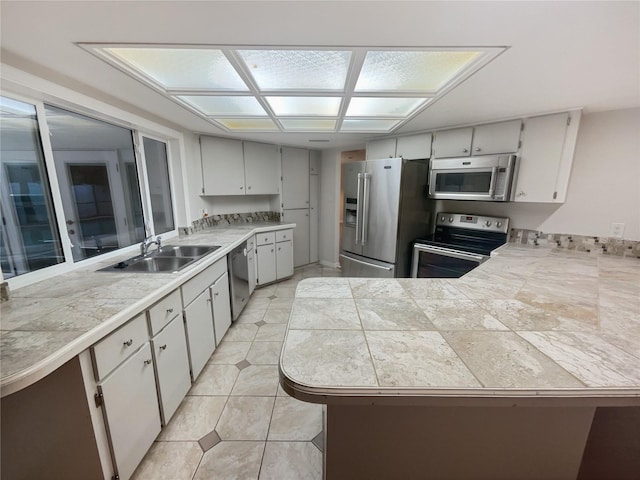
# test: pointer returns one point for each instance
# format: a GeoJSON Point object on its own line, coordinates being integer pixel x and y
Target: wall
{"type": "Point", "coordinates": [604, 186]}
{"type": "Point", "coordinates": [329, 214]}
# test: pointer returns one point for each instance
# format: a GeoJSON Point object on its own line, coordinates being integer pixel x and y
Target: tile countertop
{"type": "Point", "coordinates": [48, 323]}
{"type": "Point", "coordinates": [531, 326]}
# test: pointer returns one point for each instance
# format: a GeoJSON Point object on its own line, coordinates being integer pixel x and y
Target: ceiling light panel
{"type": "Point", "coordinates": [383, 107]}
{"type": "Point", "coordinates": [182, 68]}
{"type": "Point", "coordinates": [308, 124]}
{"type": "Point", "coordinates": [225, 105]}
{"type": "Point", "coordinates": [303, 106]}
{"type": "Point", "coordinates": [298, 69]}
{"type": "Point", "coordinates": [412, 71]}
{"type": "Point", "coordinates": [248, 124]}
{"type": "Point", "coordinates": [368, 125]}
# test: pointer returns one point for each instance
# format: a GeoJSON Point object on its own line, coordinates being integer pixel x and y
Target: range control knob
{"type": "Point", "coordinates": [450, 219]}
{"type": "Point", "coordinates": [499, 224]}
{"type": "Point", "coordinates": [488, 223]}
{"type": "Point", "coordinates": [442, 218]}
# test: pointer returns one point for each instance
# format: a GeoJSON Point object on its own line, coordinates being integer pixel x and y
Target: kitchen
{"type": "Point", "coordinates": [605, 159]}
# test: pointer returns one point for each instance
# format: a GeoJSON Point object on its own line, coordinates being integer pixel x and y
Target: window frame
{"type": "Point", "coordinates": [138, 131]}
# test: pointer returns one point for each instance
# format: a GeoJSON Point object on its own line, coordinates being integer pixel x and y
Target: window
{"type": "Point", "coordinates": [97, 175]}
{"type": "Point", "coordinates": [29, 237]}
{"type": "Point", "coordinates": [155, 155]}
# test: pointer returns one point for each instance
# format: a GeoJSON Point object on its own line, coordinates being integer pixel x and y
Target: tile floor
{"type": "Point", "coordinates": [236, 421]}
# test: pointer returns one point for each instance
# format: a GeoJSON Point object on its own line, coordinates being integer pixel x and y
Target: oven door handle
{"type": "Point", "coordinates": [494, 178]}
{"type": "Point", "coordinates": [447, 252]}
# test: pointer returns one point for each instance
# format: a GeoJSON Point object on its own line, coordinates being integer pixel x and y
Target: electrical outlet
{"type": "Point", "coordinates": [617, 230]}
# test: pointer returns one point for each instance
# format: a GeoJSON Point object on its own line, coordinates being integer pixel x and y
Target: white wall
{"type": "Point", "coordinates": [604, 186]}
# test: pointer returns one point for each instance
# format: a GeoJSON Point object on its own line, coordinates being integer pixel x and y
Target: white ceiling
{"type": "Point", "coordinates": [562, 54]}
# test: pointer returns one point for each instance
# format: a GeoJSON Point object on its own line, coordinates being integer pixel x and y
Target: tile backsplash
{"type": "Point", "coordinates": [230, 219]}
{"type": "Point", "coordinates": [579, 243]}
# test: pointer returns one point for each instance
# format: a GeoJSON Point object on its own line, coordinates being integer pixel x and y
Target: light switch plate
{"type": "Point", "coordinates": [617, 230]}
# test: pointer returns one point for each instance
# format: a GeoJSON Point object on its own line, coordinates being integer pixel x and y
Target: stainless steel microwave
{"type": "Point", "coordinates": [489, 178]}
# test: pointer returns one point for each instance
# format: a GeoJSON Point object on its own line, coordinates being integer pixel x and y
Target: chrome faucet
{"type": "Point", "coordinates": [147, 242]}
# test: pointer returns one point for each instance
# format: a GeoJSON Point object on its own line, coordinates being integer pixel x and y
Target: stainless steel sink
{"type": "Point", "coordinates": [168, 259]}
{"type": "Point", "coordinates": [183, 251]}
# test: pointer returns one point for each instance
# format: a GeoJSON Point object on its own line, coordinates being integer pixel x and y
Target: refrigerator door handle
{"type": "Point", "coordinates": [365, 207]}
{"type": "Point", "coordinates": [358, 208]}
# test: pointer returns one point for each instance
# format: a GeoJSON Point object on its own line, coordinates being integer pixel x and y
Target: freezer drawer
{"type": "Point", "coordinates": [356, 266]}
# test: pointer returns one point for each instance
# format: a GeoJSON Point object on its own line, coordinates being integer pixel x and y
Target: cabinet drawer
{"type": "Point", "coordinates": [251, 243]}
{"type": "Point", "coordinates": [109, 352]}
{"type": "Point", "coordinates": [265, 238]}
{"type": "Point", "coordinates": [284, 235]}
{"type": "Point", "coordinates": [199, 283]}
{"type": "Point", "coordinates": [164, 311]}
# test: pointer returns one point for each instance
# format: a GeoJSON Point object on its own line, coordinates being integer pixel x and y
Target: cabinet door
{"type": "Point", "coordinates": [313, 218]}
{"type": "Point", "coordinates": [198, 317]}
{"type": "Point", "coordinates": [414, 147]}
{"type": "Point", "coordinates": [502, 137]}
{"type": "Point", "coordinates": [314, 162]}
{"type": "Point", "coordinates": [382, 148]}
{"type": "Point", "coordinates": [301, 234]}
{"type": "Point", "coordinates": [295, 178]}
{"type": "Point", "coordinates": [172, 367]}
{"type": "Point", "coordinates": [261, 169]}
{"type": "Point", "coordinates": [221, 306]}
{"type": "Point", "coordinates": [131, 410]}
{"type": "Point", "coordinates": [251, 264]}
{"type": "Point", "coordinates": [542, 145]}
{"type": "Point", "coordinates": [284, 259]}
{"type": "Point", "coordinates": [266, 261]}
{"type": "Point", "coordinates": [222, 166]}
{"type": "Point", "coordinates": [452, 143]}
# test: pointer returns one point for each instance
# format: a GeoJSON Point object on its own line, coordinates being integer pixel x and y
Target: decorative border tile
{"type": "Point", "coordinates": [230, 219]}
{"type": "Point", "coordinates": [579, 243]}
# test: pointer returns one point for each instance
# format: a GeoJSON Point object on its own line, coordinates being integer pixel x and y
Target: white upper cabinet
{"type": "Point", "coordinates": [414, 147]}
{"type": "Point", "coordinates": [494, 138]}
{"type": "Point", "coordinates": [261, 169]}
{"type": "Point", "coordinates": [546, 157]}
{"type": "Point", "coordinates": [314, 162]}
{"type": "Point", "coordinates": [381, 148]}
{"type": "Point", "coordinates": [295, 178]}
{"type": "Point", "coordinates": [452, 143]}
{"type": "Point", "coordinates": [222, 166]}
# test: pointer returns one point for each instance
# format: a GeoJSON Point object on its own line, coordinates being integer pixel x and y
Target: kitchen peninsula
{"type": "Point", "coordinates": [499, 374]}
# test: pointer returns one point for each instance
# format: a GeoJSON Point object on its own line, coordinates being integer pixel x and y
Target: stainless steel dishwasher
{"type": "Point", "coordinates": [238, 279]}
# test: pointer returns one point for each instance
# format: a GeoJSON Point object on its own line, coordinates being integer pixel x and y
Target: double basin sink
{"type": "Point", "coordinates": [167, 259]}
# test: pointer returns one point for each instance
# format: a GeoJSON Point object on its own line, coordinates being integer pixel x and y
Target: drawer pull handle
{"type": "Point", "coordinates": [148, 362]}
{"type": "Point", "coordinates": [169, 310]}
{"type": "Point", "coordinates": [128, 343]}
{"type": "Point", "coordinates": [163, 347]}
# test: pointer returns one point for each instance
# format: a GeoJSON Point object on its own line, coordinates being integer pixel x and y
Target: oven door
{"type": "Point", "coordinates": [436, 262]}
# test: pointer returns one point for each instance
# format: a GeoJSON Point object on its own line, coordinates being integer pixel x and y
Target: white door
{"type": "Point", "coordinates": [266, 261]}
{"type": "Point", "coordinates": [452, 143]}
{"type": "Point", "coordinates": [221, 306]}
{"type": "Point", "coordinates": [172, 367]}
{"type": "Point", "coordinates": [251, 264]}
{"type": "Point", "coordinates": [261, 169]}
{"type": "Point", "coordinates": [414, 147]}
{"type": "Point", "coordinates": [295, 178]}
{"type": "Point", "coordinates": [313, 217]}
{"type": "Point", "coordinates": [502, 137]}
{"type": "Point", "coordinates": [284, 259]}
{"type": "Point", "coordinates": [198, 318]}
{"type": "Point", "coordinates": [314, 162]}
{"type": "Point", "coordinates": [131, 410]}
{"type": "Point", "coordinates": [383, 148]}
{"type": "Point", "coordinates": [301, 234]}
{"type": "Point", "coordinates": [222, 166]}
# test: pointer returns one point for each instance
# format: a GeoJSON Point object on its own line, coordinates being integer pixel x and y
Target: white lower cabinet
{"type": "Point", "coordinates": [221, 306]}
{"type": "Point", "coordinates": [284, 259]}
{"type": "Point", "coordinates": [251, 265]}
{"type": "Point", "coordinates": [131, 410]}
{"type": "Point", "coordinates": [198, 318]}
{"type": "Point", "coordinates": [266, 258]}
{"type": "Point", "coordinates": [172, 367]}
{"type": "Point", "coordinates": [274, 256]}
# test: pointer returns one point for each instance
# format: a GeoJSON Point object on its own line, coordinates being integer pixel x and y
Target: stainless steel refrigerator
{"type": "Point", "coordinates": [385, 209]}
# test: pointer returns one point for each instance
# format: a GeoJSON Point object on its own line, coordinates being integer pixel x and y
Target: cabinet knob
{"type": "Point", "coordinates": [520, 194]}
{"type": "Point", "coordinates": [241, 188]}
{"type": "Point", "coordinates": [307, 202]}
{"type": "Point", "coordinates": [163, 347]}
{"type": "Point", "coordinates": [216, 294]}
{"type": "Point", "coordinates": [478, 149]}
{"type": "Point", "coordinates": [465, 150]}
{"type": "Point", "coordinates": [248, 188]}
{"type": "Point", "coordinates": [208, 300]}
{"type": "Point", "coordinates": [169, 310]}
{"type": "Point", "coordinates": [128, 343]}
{"type": "Point", "coordinates": [279, 248]}
{"type": "Point", "coordinates": [148, 362]}
{"type": "Point", "coordinates": [272, 249]}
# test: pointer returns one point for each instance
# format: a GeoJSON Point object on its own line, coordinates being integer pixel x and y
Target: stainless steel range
{"type": "Point", "coordinates": [459, 244]}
